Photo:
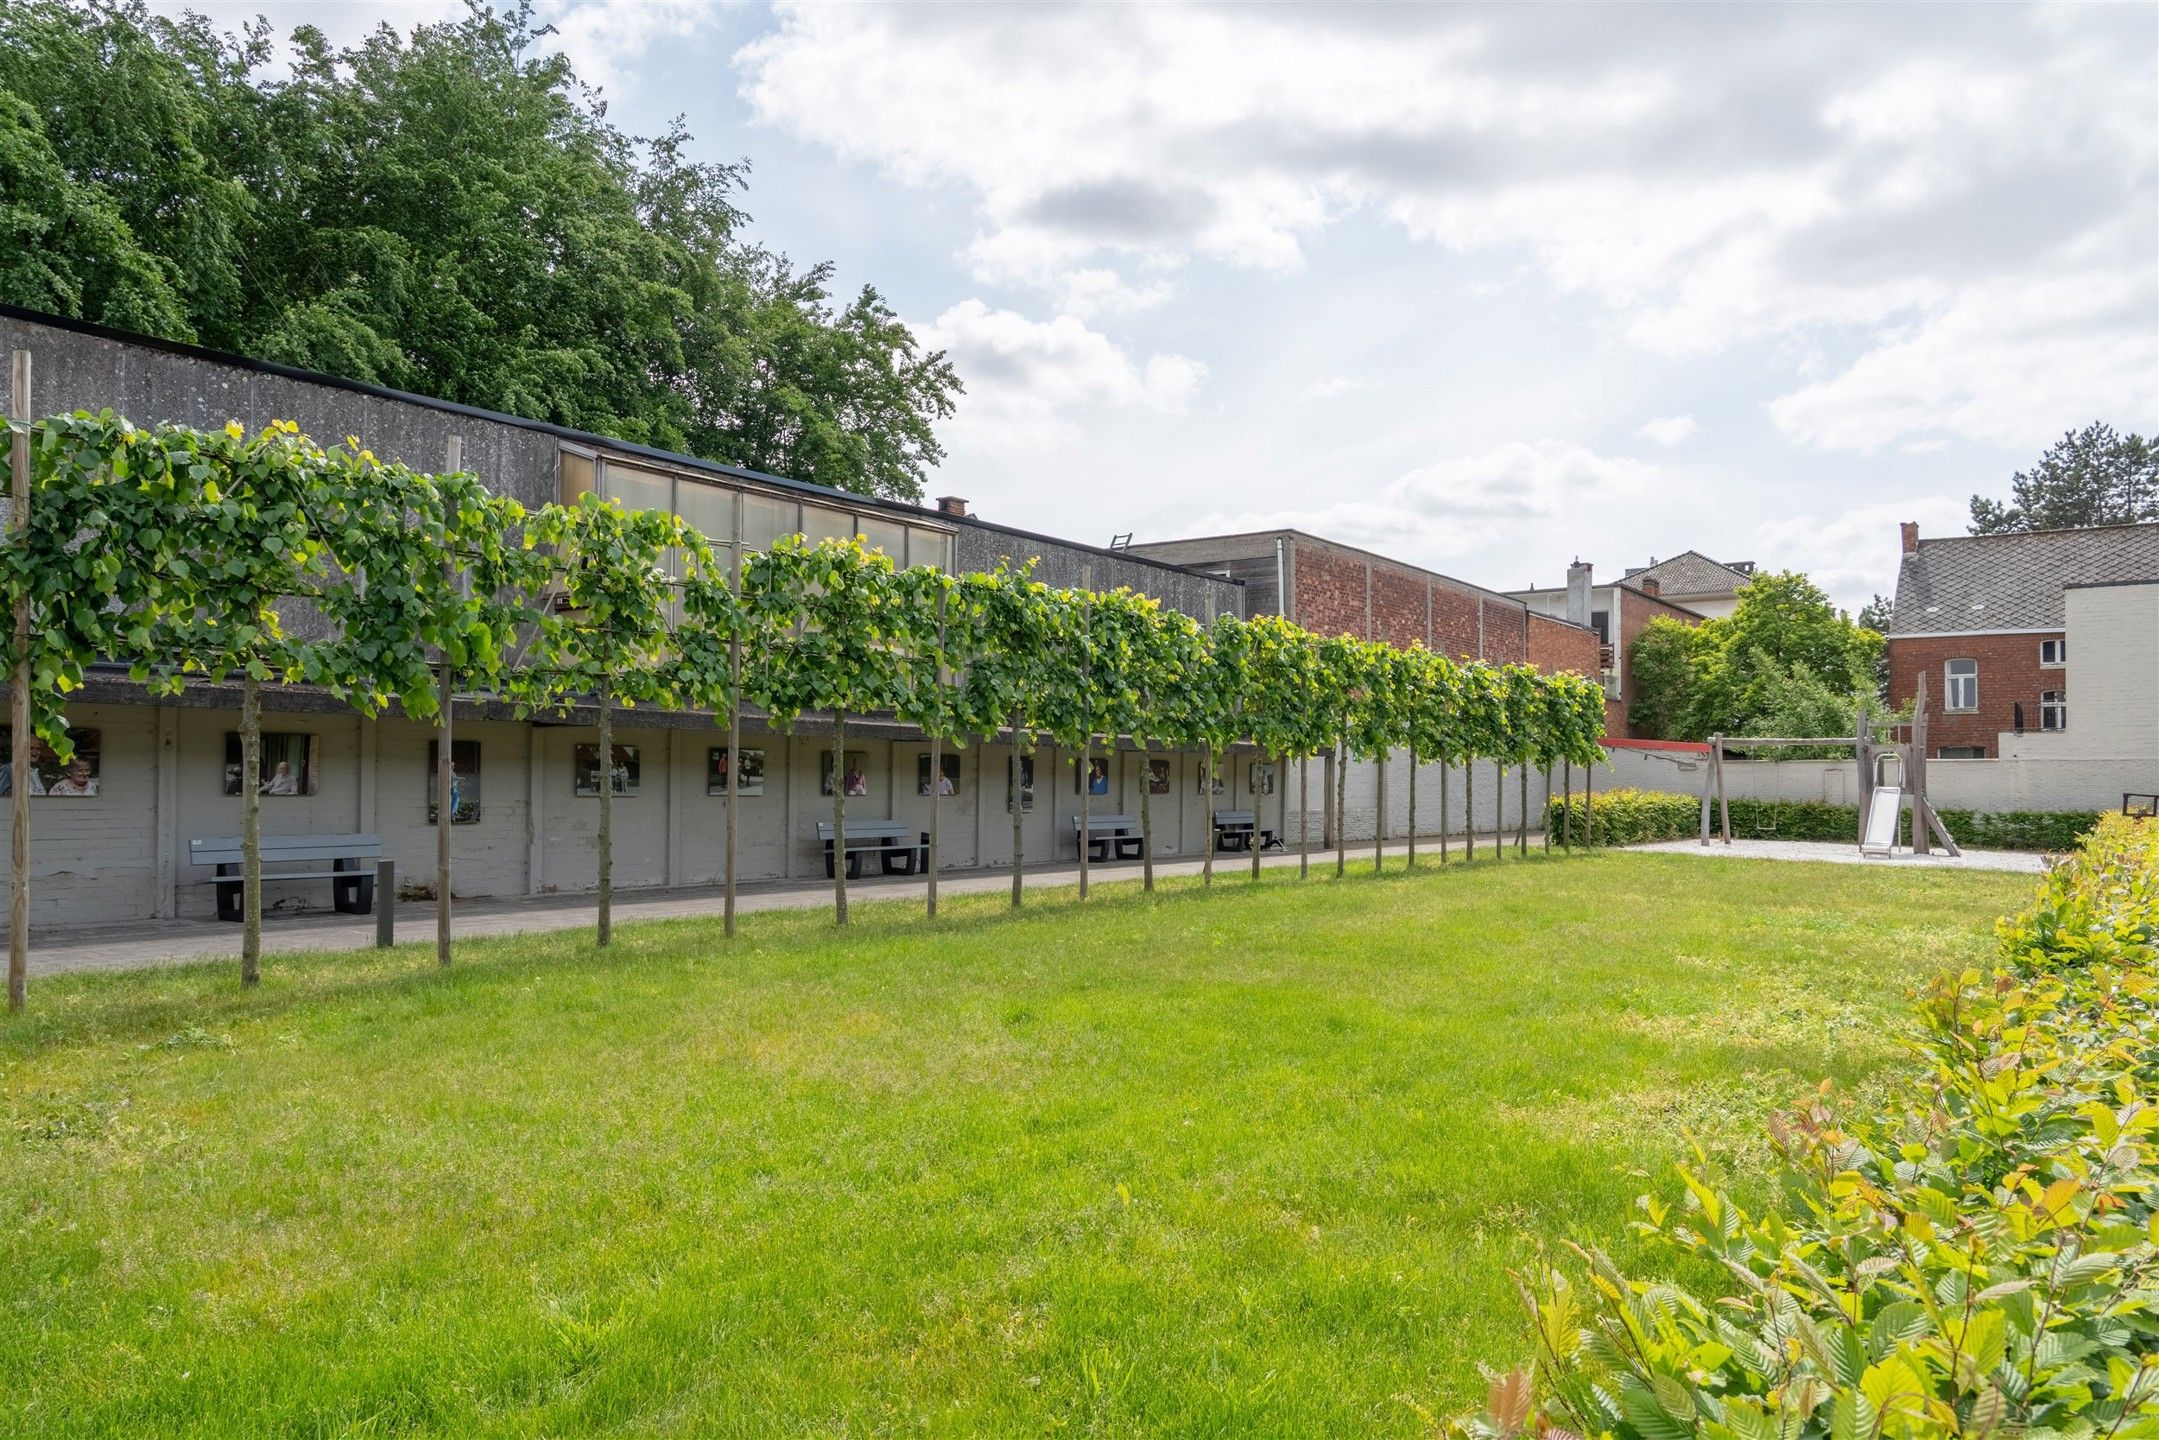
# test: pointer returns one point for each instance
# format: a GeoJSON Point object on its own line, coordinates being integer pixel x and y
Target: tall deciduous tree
{"type": "Point", "coordinates": [1008, 676]}
{"type": "Point", "coordinates": [448, 211]}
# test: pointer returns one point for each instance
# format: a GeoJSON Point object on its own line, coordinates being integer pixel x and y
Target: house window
{"type": "Point", "coordinates": [2054, 710]}
{"type": "Point", "coordinates": [2054, 652]}
{"type": "Point", "coordinates": [1601, 622]}
{"type": "Point", "coordinates": [1960, 685]}
{"type": "Point", "coordinates": [1961, 752]}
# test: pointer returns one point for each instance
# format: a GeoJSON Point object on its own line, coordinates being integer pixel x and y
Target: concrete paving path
{"type": "Point", "coordinates": [141, 943]}
{"type": "Point", "coordinates": [1847, 853]}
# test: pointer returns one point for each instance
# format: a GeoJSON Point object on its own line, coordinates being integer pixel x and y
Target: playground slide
{"type": "Point", "coordinates": [1883, 813]}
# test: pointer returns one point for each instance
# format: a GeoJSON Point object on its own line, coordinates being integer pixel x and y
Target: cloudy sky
{"type": "Point", "coordinates": [1481, 289]}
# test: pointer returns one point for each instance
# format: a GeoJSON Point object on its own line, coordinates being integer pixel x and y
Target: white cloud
{"type": "Point", "coordinates": [1462, 504]}
{"type": "Point", "coordinates": [605, 39]}
{"type": "Point", "coordinates": [1854, 554]}
{"type": "Point", "coordinates": [1826, 179]}
{"type": "Point", "coordinates": [2012, 363]}
{"type": "Point", "coordinates": [1026, 378]}
{"type": "Point", "coordinates": [1333, 387]}
{"type": "Point", "coordinates": [1671, 429]}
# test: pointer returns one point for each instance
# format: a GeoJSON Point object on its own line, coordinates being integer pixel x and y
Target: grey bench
{"type": "Point", "coordinates": [1106, 833]}
{"type": "Point", "coordinates": [352, 860]}
{"type": "Point", "coordinates": [899, 850]}
{"type": "Point", "coordinates": [1233, 829]}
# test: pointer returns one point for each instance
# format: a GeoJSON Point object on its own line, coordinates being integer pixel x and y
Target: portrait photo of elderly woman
{"type": "Point", "coordinates": [291, 764]}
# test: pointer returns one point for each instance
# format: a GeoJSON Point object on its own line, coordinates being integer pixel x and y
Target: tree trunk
{"type": "Point", "coordinates": [1566, 810]}
{"type": "Point", "coordinates": [1499, 810]}
{"type": "Point", "coordinates": [1521, 813]}
{"type": "Point", "coordinates": [1379, 812]}
{"type": "Point", "coordinates": [839, 817]}
{"type": "Point", "coordinates": [735, 769]}
{"type": "Point", "coordinates": [607, 816]}
{"type": "Point", "coordinates": [1304, 817]}
{"type": "Point", "coordinates": [937, 785]}
{"type": "Point", "coordinates": [1255, 829]}
{"type": "Point", "coordinates": [1589, 807]}
{"type": "Point", "coordinates": [1146, 817]}
{"type": "Point", "coordinates": [445, 817]}
{"type": "Point", "coordinates": [1341, 821]}
{"type": "Point", "coordinates": [250, 830]}
{"type": "Point", "coordinates": [1086, 789]}
{"type": "Point", "coordinates": [1547, 807]}
{"type": "Point", "coordinates": [18, 950]}
{"type": "Point", "coordinates": [1469, 807]}
{"type": "Point", "coordinates": [1443, 810]}
{"type": "Point", "coordinates": [1412, 808]}
{"type": "Point", "coordinates": [1018, 809]}
{"type": "Point", "coordinates": [1206, 792]}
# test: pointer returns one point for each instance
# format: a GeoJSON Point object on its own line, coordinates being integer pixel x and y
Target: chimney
{"type": "Point", "coordinates": [951, 505]}
{"type": "Point", "coordinates": [1578, 594]}
{"type": "Point", "coordinates": [1911, 536]}
{"type": "Point", "coordinates": [1652, 588]}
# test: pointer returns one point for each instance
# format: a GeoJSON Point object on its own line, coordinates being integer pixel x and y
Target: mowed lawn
{"type": "Point", "coordinates": [1255, 1162]}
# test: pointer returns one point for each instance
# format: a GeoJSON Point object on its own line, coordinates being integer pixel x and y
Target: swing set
{"type": "Point", "coordinates": [1881, 798]}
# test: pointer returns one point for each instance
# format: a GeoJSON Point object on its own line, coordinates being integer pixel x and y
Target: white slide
{"type": "Point", "coordinates": [1882, 817]}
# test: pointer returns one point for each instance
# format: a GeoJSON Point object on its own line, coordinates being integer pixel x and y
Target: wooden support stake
{"type": "Point", "coordinates": [1709, 784]}
{"type": "Point", "coordinates": [1724, 794]}
{"type": "Point", "coordinates": [445, 766]}
{"type": "Point", "coordinates": [18, 911]}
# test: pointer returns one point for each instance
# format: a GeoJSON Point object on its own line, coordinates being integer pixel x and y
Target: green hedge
{"type": "Point", "coordinates": [1977, 1258]}
{"type": "Point", "coordinates": [1632, 817]}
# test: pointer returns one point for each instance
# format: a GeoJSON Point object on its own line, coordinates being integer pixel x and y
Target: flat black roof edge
{"type": "Point", "coordinates": [187, 351]}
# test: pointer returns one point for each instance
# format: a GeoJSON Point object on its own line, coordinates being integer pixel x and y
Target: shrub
{"type": "Point", "coordinates": [1633, 817]}
{"type": "Point", "coordinates": [1976, 1259]}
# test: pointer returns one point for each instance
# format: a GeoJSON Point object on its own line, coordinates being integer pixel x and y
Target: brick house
{"type": "Point", "coordinates": [1985, 618]}
{"type": "Point", "coordinates": [1615, 613]}
{"type": "Point", "coordinates": [1335, 589]}
{"type": "Point", "coordinates": [1693, 581]}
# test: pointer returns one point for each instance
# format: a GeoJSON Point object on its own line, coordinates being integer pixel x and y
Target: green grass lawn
{"type": "Point", "coordinates": [1249, 1163]}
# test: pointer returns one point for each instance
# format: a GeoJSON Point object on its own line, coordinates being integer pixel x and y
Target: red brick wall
{"type": "Point", "coordinates": [1555, 645]}
{"type": "Point", "coordinates": [1506, 631]}
{"type": "Point", "coordinates": [1340, 591]}
{"type": "Point", "coordinates": [1329, 587]}
{"type": "Point", "coordinates": [1398, 609]}
{"type": "Point", "coordinates": [2009, 671]}
{"type": "Point", "coordinates": [1454, 623]}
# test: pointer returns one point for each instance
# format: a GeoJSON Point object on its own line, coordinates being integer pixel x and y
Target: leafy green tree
{"type": "Point", "coordinates": [1168, 649]}
{"type": "Point", "coordinates": [1216, 719]}
{"type": "Point", "coordinates": [941, 638]}
{"type": "Point", "coordinates": [2093, 476]}
{"type": "Point", "coordinates": [1008, 674]}
{"type": "Point", "coordinates": [1719, 677]}
{"type": "Point", "coordinates": [604, 633]}
{"type": "Point", "coordinates": [447, 211]}
{"type": "Point", "coordinates": [1286, 707]}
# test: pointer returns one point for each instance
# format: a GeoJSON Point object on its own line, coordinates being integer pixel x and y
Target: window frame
{"type": "Point", "coordinates": [2053, 711]}
{"type": "Point", "coordinates": [2060, 647]}
{"type": "Point", "coordinates": [1952, 681]}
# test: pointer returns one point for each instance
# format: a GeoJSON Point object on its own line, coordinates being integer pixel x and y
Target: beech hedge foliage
{"type": "Point", "coordinates": [1980, 1257]}
{"type": "Point", "coordinates": [1632, 817]}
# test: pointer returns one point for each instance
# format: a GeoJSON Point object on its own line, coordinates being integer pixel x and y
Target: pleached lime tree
{"type": "Point", "coordinates": [940, 645]}
{"type": "Point", "coordinates": [1092, 698]}
{"type": "Point", "coordinates": [1429, 685]}
{"type": "Point", "coordinates": [1009, 675]}
{"type": "Point", "coordinates": [846, 654]}
{"type": "Point", "coordinates": [707, 660]}
{"type": "Point", "coordinates": [602, 634]}
{"type": "Point", "coordinates": [1155, 651]}
{"type": "Point", "coordinates": [1480, 725]}
{"type": "Point", "coordinates": [1285, 705]}
{"type": "Point", "coordinates": [1379, 725]}
{"type": "Point", "coordinates": [1522, 702]}
{"type": "Point", "coordinates": [438, 588]}
{"type": "Point", "coordinates": [1215, 717]}
{"type": "Point", "coordinates": [1343, 668]}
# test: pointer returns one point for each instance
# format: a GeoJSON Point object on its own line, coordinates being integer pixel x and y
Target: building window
{"type": "Point", "coordinates": [1601, 622]}
{"type": "Point", "coordinates": [2054, 710]}
{"type": "Point", "coordinates": [1961, 752]}
{"type": "Point", "coordinates": [1960, 685]}
{"type": "Point", "coordinates": [2054, 652]}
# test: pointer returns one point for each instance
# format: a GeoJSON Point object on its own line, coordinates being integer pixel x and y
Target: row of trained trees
{"type": "Point", "coordinates": [185, 553]}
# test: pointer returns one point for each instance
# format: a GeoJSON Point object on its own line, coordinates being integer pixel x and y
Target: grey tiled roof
{"type": "Point", "coordinates": [2013, 582]}
{"type": "Point", "coordinates": [1690, 573]}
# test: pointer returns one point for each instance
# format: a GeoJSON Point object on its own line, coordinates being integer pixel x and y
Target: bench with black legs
{"type": "Point", "coordinates": [351, 858]}
{"type": "Point", "coordinates": [899, 849]}
{"type": "Point", "coordinates": [1233, 829]}
{"type": "Point", "coordinates": [1112, 834]}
